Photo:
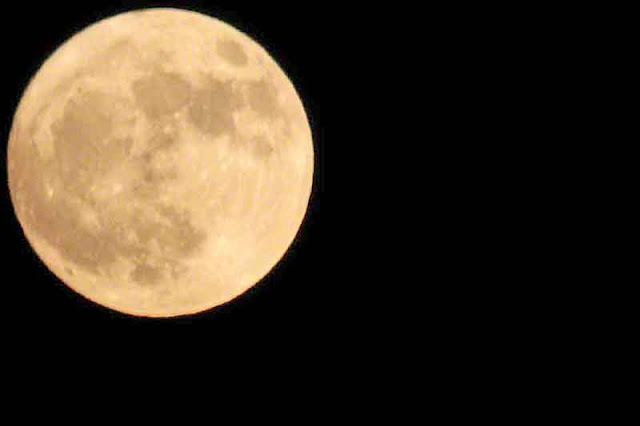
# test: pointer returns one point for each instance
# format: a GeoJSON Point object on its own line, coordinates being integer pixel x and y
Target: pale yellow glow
{"type": "Point", "coordinates": [160, 162]}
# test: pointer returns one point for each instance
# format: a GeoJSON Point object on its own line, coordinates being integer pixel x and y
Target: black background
{"type": "Point", "coordinates": [291, 305]}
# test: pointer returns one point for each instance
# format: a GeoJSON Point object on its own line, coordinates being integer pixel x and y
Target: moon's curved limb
{"type": "Point", "coordinates": [166, 171]}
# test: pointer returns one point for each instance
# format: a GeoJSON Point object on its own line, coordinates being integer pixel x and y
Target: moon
{"type": "Point", "coordinates": [160, 162]}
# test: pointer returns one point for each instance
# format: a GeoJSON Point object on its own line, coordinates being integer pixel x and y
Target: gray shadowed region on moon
{"type": "Point", "coordinates": [165, 170]}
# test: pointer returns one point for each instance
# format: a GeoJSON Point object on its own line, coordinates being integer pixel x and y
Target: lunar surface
{"type": "Point", "coordinates": [160, 162]}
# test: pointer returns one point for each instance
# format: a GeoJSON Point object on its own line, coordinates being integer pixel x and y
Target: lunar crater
{"type": "Point", "coordinates": [232, 52]}
{"type": "Point", "coordinates": [161, 93]}
{"type": "Point", "coordinates": [211, 108]}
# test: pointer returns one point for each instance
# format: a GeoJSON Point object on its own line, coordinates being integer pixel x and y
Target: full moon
{"type": "Point", "coordinates": [160, 162]}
